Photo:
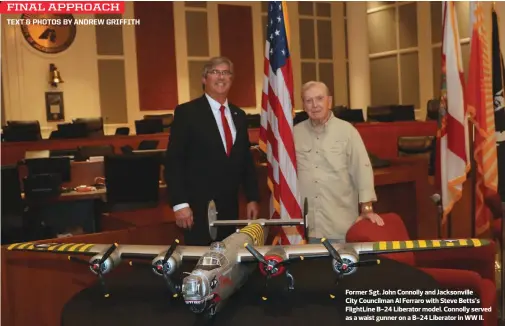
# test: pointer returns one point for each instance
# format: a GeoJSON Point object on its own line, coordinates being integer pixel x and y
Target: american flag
{"type": "Point", "coordinates": [276, 132]}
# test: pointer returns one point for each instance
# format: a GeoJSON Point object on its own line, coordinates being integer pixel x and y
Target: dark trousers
{"type": "Point", "coordinates": [199, 237]}
{"type": "Point", "coordinates": [199, 234]}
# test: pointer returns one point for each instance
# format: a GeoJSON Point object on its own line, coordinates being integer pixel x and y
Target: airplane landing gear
{"type": "Point", "coordinates": [291, 281]}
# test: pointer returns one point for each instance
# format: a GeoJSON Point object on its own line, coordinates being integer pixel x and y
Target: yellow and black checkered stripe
{"type": "Point", "coordinates": [255, 231]}
{"type": "Point", "coordinates": [427, 244]}
{"type": "Point", "coordinates": [56, 247]}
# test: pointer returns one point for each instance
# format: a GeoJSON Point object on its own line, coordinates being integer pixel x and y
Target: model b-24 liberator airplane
{"type": "Point", "coordinates": [224, 267]}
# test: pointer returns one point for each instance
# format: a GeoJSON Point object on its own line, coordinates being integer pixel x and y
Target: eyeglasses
{"type": "Point", "coordinates": [225, 73]}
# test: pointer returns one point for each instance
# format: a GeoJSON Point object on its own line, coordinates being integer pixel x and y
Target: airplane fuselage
{"type": "Point", "coordinates": [218, 273]}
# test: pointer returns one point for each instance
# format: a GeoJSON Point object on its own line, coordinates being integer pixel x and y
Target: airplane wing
{"type": "Point", "coordinates": [195, 252]}
{"type": "Point", "coordinates": [263, 222]}
{"type": "Point", "coordinates": [363, 248]}
{"type": "Point", "coordinates": [126, 251]}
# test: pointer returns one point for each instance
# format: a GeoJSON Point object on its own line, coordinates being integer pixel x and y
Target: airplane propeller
{"type": "Point", "coordinates": [98, 266]}
{"type": "Point", "coordinates": [175, 289]}
{"type": "Point", "coordinates": [272, 266]}
{"type": "Point", "coordinates": [333, 252]}
{"type": "Point", "coordinates": [345, 266]}
{"type": "Point", "coordinates": [163, 268]}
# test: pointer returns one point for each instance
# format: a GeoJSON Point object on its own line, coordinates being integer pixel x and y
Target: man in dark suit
{"type": "Point", "coordinates": [208, 158]}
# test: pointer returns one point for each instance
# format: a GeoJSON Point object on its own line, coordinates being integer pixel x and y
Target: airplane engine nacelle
{"type": "Point", "coordinates": [349, 258]}
{"type": "Point", "coordinates": [109, 264]}
{"type": "Point", "coordinates": [171, 265]}
{"type": "Point", "coordinates": [274, 257]}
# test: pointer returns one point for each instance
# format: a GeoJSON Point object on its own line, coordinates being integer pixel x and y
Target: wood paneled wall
{"type": "Point", "coordinates": [236, 41]}
{"type": "Point", "coordinates": [155, 45]}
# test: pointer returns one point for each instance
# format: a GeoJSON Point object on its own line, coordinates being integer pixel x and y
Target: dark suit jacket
{"type": "Point", "coordinates": [198, 170]}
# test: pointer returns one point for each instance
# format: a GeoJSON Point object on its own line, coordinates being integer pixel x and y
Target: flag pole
{"type": "Point", "coordinates": [473, 175]}
{"type": "Point", "coordinates": [440, 214]}
{"type": "Point", "coordinates": [449, 225]}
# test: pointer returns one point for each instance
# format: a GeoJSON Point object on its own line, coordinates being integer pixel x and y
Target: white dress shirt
{"type": "Point", "coordinates": [215, 106]}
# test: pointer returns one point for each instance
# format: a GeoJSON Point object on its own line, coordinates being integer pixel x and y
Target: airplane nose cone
{"type": "Point", "coordinates": [193, 291]}
{"type": "Point", "coordinates": [192, 287]}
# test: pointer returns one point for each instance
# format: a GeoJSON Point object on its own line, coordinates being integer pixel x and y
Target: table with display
{"type": "Point", "coordinates": [139, 297]}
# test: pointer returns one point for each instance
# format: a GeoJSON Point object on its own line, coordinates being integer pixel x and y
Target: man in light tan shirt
{"type": "Point", "coordinates": [334, 170]}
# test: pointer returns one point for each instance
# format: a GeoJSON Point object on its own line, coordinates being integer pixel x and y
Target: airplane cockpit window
{"type": "Point", "coordinates": [191, 286]}
{"type": "Point", "coordinates": [208, 262]}
{"type": "Point", "coordinates": [219, 246]}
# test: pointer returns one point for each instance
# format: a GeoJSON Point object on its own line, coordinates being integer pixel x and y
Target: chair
{"type": "Point", "coordinates": [423, 146]}
{"type": "Point", "coordinates": [11, 190]}
{"type": "Point", "coordinates": [414, 146]}
{"type": "Point", "coordinates": [19, 221]}
{"type": "Point", "coordinates": [166, 119]}
{"type": "Point", "coordinates": [338, 109]}
{"type": "Point", "coordinates": [351, 115]}
{"type": "Point", "coordinates": [55, 134]}
{"type": "Point", "coordinates": [59, 165]}
{"type": "Point", "coordinates": [299, 117]}
{"type": "Point", "coordinates": [432, 108]}
{"type": "Point", "coordinates": [22, 131]}
{"type": "Point", "coordinates": [123, 131]}
{"type": "Point", "coordinates": [464, 268]}
{"type": "Point", "coordinates": [45, 178]}
{"type": "Point", "coordinates": [377, 162]}
{"type": "Point", "coordinates": [403, 112]}
{"type": "Point", "coordinates": [127, 190]}
{"type": "Point", "coordinates": [382, 113]}
{"type": "Point", "coordinates": [149, 126]}
{"type": "Point", "coordinates": [12, 205]}
{"type": "Point", "coordinates": [94, 126]}
{"type": "Point", "coordinates": [71, 130]}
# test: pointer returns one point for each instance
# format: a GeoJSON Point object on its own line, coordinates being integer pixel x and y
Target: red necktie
{"type": "Point", "coordinates": [227, 131]}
